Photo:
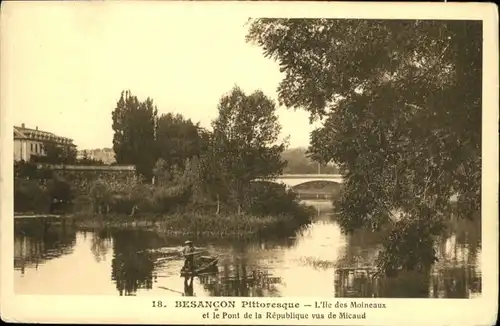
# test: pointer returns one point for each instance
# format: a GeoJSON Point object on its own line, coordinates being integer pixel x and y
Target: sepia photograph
{"type": "Point", "coordinates": [173, 153]}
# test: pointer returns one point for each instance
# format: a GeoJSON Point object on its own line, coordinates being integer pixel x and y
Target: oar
{"type": "Point", "coordinates": [164, 288]}
{"type": "Point", "coordinates": [194, 253]}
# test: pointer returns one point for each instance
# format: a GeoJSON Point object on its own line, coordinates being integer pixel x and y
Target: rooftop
{"type": "Point", "coordinates": [21, 132]}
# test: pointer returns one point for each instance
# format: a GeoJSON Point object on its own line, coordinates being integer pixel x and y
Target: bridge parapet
{"type": "Point", "coordinates": [292, 180]}
{"type": "Point", "coordinates": [310, 176]}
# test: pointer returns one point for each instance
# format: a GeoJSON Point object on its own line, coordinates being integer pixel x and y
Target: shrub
{"type": "Point", "coordinates": [265, 198]}
{"type": "Point", "coordinates": [410, 245]}
{"type": "Point", "coordinates": [30, 196]}
{"type": "Point", "coordinates": [166, 200]}
{"type": "Point", "coordinates": [30, 171]}
{"type": "Point", "coordinates": [122, 197]}
{"type": "Point", "coordinates": [61, 189]}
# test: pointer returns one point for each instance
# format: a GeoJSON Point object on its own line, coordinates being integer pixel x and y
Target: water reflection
{"type": "Point", "coordinates": [101, 243]}
{"type": "Point", "coordinates": [188, 286]}
{"type": "Point", "coordinates": [318, 261]}
{"type": "Point", "coordinates": [240, 283]}
{"type": "Point", "coordinates": [456, 274]}
{"type": "Point", "coordinates": [132, 266]}
{"type": "Point", "coordinates": [35, 243]}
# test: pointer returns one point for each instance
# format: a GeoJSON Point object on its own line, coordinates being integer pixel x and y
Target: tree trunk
{"type": "Point", "coordinates": [133, 210]}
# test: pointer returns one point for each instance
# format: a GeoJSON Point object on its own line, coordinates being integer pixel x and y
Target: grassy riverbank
{"type": "Point", "coordinates": [184, 207]}
{"type": "Point", "coordinates": [242, 226]}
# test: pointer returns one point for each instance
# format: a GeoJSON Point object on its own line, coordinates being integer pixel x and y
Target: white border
{"type": "Point", "coordinates": [97, 309]}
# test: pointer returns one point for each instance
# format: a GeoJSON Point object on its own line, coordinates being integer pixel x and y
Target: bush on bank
{"type": "Point", "coordinates": [30, 196]}
{"type": "Point", "coordinates": [198, 225]}
{"type": "Point", "coordinates": [267, 210]}
{"type": "Point", "coordinates": [179, 206]}
{"type": "Point", "coordinates": [172, 208]}
{"type": "Point", "coordinates": [34, 196]}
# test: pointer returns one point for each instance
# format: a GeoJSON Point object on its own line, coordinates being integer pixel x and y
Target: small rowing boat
{"type": "Point", "coordinates": [206, 265]}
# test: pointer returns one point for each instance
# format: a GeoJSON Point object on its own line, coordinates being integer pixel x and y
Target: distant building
{"type": "Point", "coordinates": [28, 142]}
{"type": "Point", "coordinates": [106, 155]}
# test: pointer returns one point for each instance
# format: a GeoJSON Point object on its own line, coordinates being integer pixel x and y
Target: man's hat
{"type": "Point", "coordinates": [188, 242]}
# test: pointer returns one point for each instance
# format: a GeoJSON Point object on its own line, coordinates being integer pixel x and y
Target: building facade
{"type": "Point", "coordinates": [29, 142]}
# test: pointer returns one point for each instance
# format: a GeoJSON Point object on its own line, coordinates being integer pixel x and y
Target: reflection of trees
{"type": "Point", "coordinates": [237, 280]}
{"type": "Point", "coordinates": [363, 284]}
{"type": "Point", "coordinates": [36, 242]}
{"type": "Point", "coordinates": [239, 274]}
{"type": "Point", "coordinates": [455, 275]}
{"type": "Point", "coordinates": [361, 250]}
{"type": "Point", "coordinates": [455, 282]}
{"type": "Point", "coordinates": [100, 243]}
{"type": "Point", "coordinates": [132, 266]}
{"type": "Point", "coordinates": [467, 236]}
{"type": "Point", "coordinates": [457, 270]}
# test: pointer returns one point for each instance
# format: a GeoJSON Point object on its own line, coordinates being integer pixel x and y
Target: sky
{"type": "Point", "coordinates": [65, 66]}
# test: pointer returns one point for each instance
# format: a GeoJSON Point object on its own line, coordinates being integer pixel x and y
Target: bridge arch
{"type": "Point", "coordinates": [316, 184]}
{"type": "Point", "coordinates": [294, 180]}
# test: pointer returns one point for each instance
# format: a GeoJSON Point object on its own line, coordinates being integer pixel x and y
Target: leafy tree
{"type": "Point", "coordinates": [25, 170]}
{"type": "Point", "coordinates": [134, 125]}
{"type": "Point", "coordinates": [401, 108]}
{"type": "Point", "coordinates": [178, 139]}
{"type": "Point", "coordinates": [245, 140]}
{"type": "Point", "coordinates": [56, 154]}
{"type": "Point", "coordinates": [214, 178]}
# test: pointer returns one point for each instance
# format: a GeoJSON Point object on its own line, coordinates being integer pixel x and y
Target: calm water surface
{"type": "Point", "coordinates": [62, 260]}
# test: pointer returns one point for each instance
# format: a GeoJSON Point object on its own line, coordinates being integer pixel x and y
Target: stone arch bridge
{"type": "Point", "coordinates": [310, 186]}
{"type": "Point", "coordinates": [294, 180]}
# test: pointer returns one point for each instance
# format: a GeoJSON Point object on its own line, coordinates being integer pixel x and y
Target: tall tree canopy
{"type": "Point", "coordinates": [134, 124]}
{"type": "Point", "coordinates": [179, 139]}
{"type": "Point", "coordinates": [245, 139]}
{"type": "Point", "coordinates": [400, 103]}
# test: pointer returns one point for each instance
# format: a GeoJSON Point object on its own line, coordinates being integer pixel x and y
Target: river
{"type": "Point", "coordinates": [318, 261]}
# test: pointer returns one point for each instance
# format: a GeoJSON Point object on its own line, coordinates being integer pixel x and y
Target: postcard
{"type": "Point", "coordinates": [275, 163]}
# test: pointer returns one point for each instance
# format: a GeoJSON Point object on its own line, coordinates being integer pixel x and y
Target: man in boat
{"type": "Point", "coordinates": [188, 252]}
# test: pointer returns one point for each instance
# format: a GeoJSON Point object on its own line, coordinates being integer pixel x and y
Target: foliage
{"type": "Point", "coordinates": [178, 139]}
{"type": "Point", "coordinates": [56, 154]}
{"type": "Point", "coordinates": [30, 196]}
{"type": "Point", "coordinates": [410, 245]}
{"type": "Point", "coordinates": [28, 170]}
{"type": "Point", "coordinates": [225, 225]}
{"type": "Point", "coordinates": [134, 125]}
{"type": "Point", "coordinates": [60, 189]}
{"type": "Point", "coordinates": [63, 155]}
{"type": "Point", "coordinates": [274, 199]}
{"type": "Point", "coordinates": [164, 174]}
{"type": "Point", "coordinates": [245, 142]}
{"type": "Point", "coordinates": [133, 197]}
{"type": "Point", "coordinates": [86, 159]}
{"type": "Point", "coordinates": [298, 162]}
{"type": "Point", "coordinates": [401, 108]}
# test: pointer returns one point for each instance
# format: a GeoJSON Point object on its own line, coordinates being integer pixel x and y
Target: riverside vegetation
{"type": "Point", "coordinates": [190, 181]}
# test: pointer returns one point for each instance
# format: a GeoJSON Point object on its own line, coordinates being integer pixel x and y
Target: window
{"type": "Point", "coordinates": [31, 145]}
